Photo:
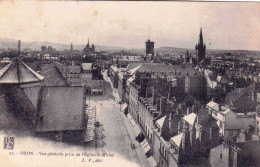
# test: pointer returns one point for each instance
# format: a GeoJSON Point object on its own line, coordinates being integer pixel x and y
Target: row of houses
{"type": "Point", "coordinates": [173, 123]}
{"type": "Point", "coordinates": [170, 131]}
{"type": "Point", "coordinates": [189, 80]}
{"type": "Point", "coordinates": [82, 75]}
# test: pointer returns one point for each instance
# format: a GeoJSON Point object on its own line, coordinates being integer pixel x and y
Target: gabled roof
{"type": "Point", "coordinates": [18, 72]}
{"type": "Point", "coordinates": [233, 96]}
{"type": "Point", "coordinates": [132, 71]}
{"type": "Point", "coordinates": [191, 118]}
{"type": "Point", "coordinates": [177, 139]}
{"type": "Point", "coordinates": [129, 80]}
{"type": "Point", "coordinates": [161, 121]}
{"type": "Point", "coordinates": [62, 108]}
{"type": "Point", "coordinates": [86, 66]}
{"type": "Point", "coordinates": [213, 105]}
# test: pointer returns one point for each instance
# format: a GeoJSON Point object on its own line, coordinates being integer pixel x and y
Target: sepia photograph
{"type": "Point", "coordinates": [129, 84]}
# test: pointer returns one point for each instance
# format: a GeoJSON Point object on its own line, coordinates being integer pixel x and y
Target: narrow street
{"type": "Point", "coordinates": [118, 132]}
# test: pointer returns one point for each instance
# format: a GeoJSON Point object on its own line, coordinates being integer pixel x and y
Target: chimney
{"type": "Point", "coordinates": [188, 111]}
{"type": "Point", "coordinates": [254, 96]}
{"type": "Point", "coordinates": [219, 107]}
{"type": "Point", "coordinates": [170, 121]}
{"type": "Point", "coordinates": [179, 127]}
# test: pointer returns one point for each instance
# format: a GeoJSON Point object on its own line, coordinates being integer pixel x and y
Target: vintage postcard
{"type": "Point", "coordinates": [129, 84]}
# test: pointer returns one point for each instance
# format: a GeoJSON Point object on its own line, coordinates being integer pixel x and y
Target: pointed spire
{"type": "Point", "coordinates": [88, 40]}
{"type": "Point", "coordinates": [201, 37]}
{"type": "Point", "coordinates": [71, 47]}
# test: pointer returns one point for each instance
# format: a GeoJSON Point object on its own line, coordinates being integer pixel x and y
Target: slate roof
{"type": "Point", "coordinates": [62, 108]}
{"type": "Point", "coordinates": [248, 90]}
{"type": "Point", "coordinates": [151, 67]}
{"type": "Point", "coordinates": [167, 131]}
{"type": "Point", "coordinates": [240, 101]}
{"type": "Point", "coordinates": [233, 96]}
{"type": "Point", "coordinates": [18, 72]}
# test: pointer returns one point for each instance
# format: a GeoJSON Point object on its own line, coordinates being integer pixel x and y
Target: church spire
{"type": "Point", "coordinates": [71, 47]}
{"type": "Point", "coordinates": [200, 48]}
{"type": "Point", "coordinates": [201, 36]}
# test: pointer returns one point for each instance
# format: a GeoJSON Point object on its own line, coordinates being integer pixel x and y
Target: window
{"type": "Point", "coordinates": [220, 156]}
{"type": "Point", "coordinates": [257, 122]}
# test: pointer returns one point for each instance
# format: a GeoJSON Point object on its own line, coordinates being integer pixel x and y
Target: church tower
{"type": "Point", "coordinates": [200, 48]}
{"type": "Point", "coordinates": [149, 47]}
{"type": "Point", "coordinates": [71, 48]}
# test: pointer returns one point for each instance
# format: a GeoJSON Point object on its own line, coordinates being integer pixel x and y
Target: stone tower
{"type": "Point", "coordinates": [149, 47]}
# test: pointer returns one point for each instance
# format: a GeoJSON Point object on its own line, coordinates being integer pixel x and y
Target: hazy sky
{"type": "Point", "coordinates": [226, 25]}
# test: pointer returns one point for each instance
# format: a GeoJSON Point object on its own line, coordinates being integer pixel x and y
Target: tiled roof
{"type": "Point", "coordinates": [62, 108]}
{"type": "Point", "coordinates": [52, 76]}
{"type": "Point", "coordinates": [233, 96]}
{"type": "Point", "coordinates": [19, 72]}
{"type": "Point", "coordinates": [156, 68]}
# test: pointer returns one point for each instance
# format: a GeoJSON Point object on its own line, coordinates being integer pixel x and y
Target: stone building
{"type": "Point", "coordinates": [89, 49]}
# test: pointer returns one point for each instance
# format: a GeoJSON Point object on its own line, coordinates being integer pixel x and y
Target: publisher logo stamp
{"type": "Point", "coordinates": [9, 143]}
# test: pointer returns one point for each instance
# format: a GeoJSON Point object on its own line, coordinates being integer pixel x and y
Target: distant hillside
{"type": "Point", "coordinates": [182, 50]}
{"type": "Point", "coordinates": [12, 43]}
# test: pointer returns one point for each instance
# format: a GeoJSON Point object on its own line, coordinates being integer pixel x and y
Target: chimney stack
{"type": "Point", "coordinates": [179, 127]}
{"type": "Point", "coordinates": [170, 121]}
{"type": "Point", "coordinates": [188, 111]}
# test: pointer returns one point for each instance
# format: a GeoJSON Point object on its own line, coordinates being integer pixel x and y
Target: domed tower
{"type": "Point", "coordinates": [21, 86]}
